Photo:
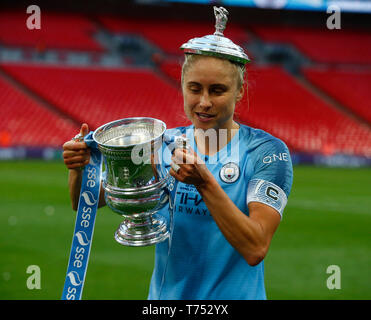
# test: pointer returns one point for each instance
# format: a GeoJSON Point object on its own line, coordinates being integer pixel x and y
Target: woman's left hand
{"type": "Point", "coordinates": [192, 170]}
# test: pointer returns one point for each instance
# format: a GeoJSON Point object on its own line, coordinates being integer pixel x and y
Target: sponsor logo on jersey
{"type": "Point", "coordinates": [274, 157]}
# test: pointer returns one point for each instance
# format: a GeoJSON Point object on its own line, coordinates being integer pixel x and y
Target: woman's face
{"type": "Point", "coordinates": [210, 93]}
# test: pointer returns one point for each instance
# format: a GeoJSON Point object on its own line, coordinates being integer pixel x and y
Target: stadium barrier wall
{"type": "Point", "coordinates": [298, 158]}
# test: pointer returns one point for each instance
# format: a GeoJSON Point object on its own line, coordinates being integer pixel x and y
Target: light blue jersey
{"type": "Point", "coordinates": [199, 263]}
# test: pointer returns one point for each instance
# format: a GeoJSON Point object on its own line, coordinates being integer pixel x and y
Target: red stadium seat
{"type": "Point", "coordinates": [172, 70]}
{"type": "Point", "coordinates": [169, 35]}
{"type": "Point", "coordinates": [322, 45]}
{"type": "Point", "coordinates": [350, 87]}
{"type": "Point", "coordinates": [23, 122]}
{"type": "Point", "coordinates": [98, 96]}
{"type": "Point", "coordinates": [58, 31]}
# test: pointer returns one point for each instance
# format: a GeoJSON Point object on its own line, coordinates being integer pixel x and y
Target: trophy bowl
{"type": "Point", "coordinates": [135, 181]}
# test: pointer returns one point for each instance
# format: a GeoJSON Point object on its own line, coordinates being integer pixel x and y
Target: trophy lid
{"type": "Point", "coordinates": [217, 44]}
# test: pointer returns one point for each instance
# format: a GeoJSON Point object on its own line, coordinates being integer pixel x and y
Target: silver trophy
{"type": "Point", "coordinates": [135, 181]}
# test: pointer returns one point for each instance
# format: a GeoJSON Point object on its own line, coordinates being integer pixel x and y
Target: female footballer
{"type": "Point", "coordinates": [233, 187]}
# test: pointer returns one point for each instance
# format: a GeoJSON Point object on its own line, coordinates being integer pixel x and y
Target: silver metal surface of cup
{"type": "Point", "coordinates": [135, 180]}
{"type": "Point", "coordinates": [217, 45]}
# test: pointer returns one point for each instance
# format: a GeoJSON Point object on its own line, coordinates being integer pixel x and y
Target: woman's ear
{"type": "Point", "coordinates": [240, 94]}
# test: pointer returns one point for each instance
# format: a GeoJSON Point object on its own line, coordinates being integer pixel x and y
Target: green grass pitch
{"type": "Point", "coordinates": [326, 222]}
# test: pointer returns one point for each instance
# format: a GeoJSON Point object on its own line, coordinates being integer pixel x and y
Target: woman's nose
{"type": "Point", "coordinates": [205, 100]}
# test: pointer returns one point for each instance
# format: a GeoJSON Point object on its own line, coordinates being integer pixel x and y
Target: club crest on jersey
{"type": "Point", "coordinates": [230, 172]}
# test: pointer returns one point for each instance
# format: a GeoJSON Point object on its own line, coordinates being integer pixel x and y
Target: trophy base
{"type": "Point", "coordinates": [142, 232]}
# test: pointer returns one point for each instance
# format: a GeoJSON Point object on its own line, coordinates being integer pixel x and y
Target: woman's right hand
{"type": "Point", "coordinates": [76, 154]}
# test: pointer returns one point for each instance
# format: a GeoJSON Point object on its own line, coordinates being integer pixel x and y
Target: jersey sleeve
{"type": "Point", "coordinates": [273, 175]}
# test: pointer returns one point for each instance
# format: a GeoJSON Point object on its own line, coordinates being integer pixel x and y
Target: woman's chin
{"type": "Point", "coordinates": [203, 126]}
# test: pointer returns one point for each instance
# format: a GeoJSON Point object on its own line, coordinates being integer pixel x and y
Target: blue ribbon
{"type": "Point", "coordinates": [84, 225]}
{"type": "Point", "coordinates": [85, 219]}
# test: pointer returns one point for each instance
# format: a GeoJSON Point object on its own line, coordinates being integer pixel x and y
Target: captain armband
{"type": "Point", "coordinates": [268, 193]}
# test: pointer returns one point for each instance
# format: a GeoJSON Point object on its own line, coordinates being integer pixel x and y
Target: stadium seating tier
{"type": "Point", "coordinates": [57, 31]}
{"type": "Point", "coordinates": [321, 44]}
{"type": "Point", "coordinates": [275, 101]}
{"type": "Point", "coordinates": [169, 35]}
{"type": "Point", "coordinates": [101, 95]}
{"type": "Point", "coordinates": [23, 122]}
{"type": "Point", "coordinates": [349, 87]}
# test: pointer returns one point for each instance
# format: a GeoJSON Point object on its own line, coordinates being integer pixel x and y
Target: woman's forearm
{"type": "Point", "coordinates": [249, 234]}
{"type": "Point", "coordinates": [74, 185]}
{"type": "Point", "coordinates": [243, 233]}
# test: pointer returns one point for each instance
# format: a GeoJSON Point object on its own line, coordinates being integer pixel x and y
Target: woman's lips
{"type": "Point", "coordinates": [204, 117]}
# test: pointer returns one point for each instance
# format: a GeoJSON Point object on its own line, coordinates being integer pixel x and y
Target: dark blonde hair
{"type": "Point", "coordinates": [240, 68]}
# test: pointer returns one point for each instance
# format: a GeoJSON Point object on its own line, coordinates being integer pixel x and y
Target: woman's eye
{"type": "Point", "coordinates": [218, 91]}
{"type": "Point", "coordinates": [194, 90]}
